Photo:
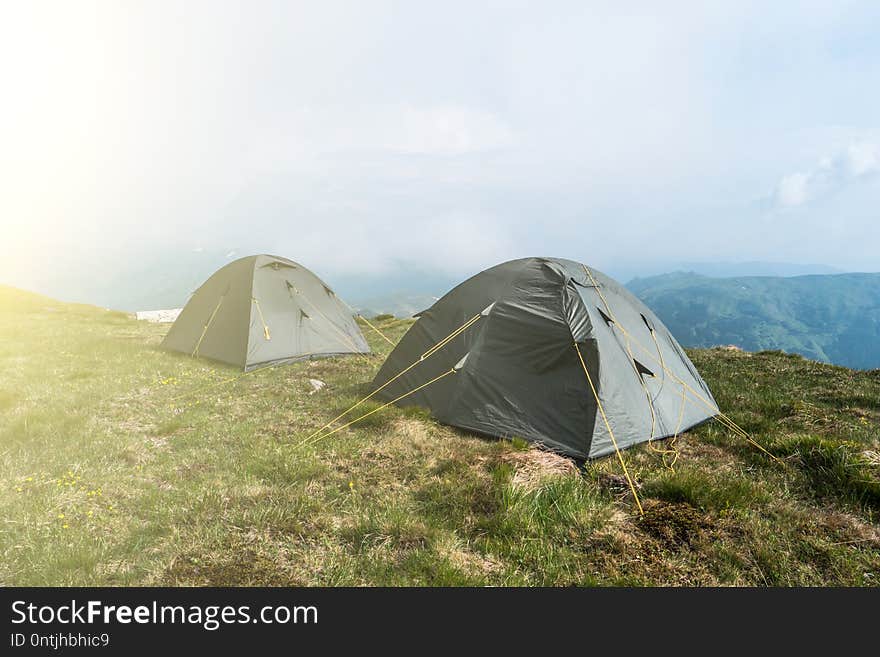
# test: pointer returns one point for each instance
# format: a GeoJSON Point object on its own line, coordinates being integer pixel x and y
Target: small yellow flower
{"type": "Point", "coordinates": [29, 479]}
{"type": "Point", "coordinates": [61, 516]}
{"type": "Point", "coordinates": [90, 514]}
{"type": "Point", "coordinates": [351, 485]}
{"type": "Point", "coordinates": [65, 525]}
{"type": "Point", "coordinates": [18, 488]}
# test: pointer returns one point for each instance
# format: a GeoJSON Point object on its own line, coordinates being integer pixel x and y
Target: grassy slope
{"type": "Point", "coordinates": [121, 464]}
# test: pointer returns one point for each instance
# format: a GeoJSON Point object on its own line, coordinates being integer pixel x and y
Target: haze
{"type": "Point", "coordinates": [380, 138]}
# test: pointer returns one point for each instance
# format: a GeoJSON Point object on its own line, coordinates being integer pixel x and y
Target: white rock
{"type": "Point", "coordinates": [158, 316]}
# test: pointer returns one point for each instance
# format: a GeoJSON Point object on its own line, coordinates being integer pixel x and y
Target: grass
{"type": "Point", "coordinates": [123, 464]}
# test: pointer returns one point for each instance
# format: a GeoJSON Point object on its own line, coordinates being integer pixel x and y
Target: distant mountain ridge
{"type": "Point", "coordinates": [831, 318]}
{"type": "Point", "coordinates": [756, 268]}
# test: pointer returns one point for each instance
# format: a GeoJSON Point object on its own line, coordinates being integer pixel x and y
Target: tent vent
{"type": "Point", "coordinates": [647, 323]}
{"type": "Point", "coordinates": [303, 314]}
{"type": "Point", "coordinates": [607, 319]}
{"type": "Point", "coordinates": [642, 370]}
{"type": "Point", "coordinates": [275, 265]}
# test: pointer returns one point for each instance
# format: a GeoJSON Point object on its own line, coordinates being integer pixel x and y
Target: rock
{"type": "Point", "coordinates": [158, 316]}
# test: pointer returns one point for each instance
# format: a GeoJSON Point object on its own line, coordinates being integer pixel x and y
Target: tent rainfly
{"type": "Point", "coordinates": [264, 310]}
{"type": "Point", "coordinates": [550, 351]}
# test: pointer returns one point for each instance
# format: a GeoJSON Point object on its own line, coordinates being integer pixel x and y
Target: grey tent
{"type": "Point", "coordinates": [517, 372]}
{"type": "Point", "coordinates": [264, 310]}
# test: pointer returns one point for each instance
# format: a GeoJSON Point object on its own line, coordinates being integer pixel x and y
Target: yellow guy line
{"type": "Point", "coordinates": [345, 337]}
{"type": "Point", "coordinates": [629, 480]}
{"type": "Point", "coordinates": [632, 360]}
{"type": "Point", "coordinates": [376, 410]}
{"type": "Point", "coordinates": [356, 313]}
{"type": "Point", "coordinates": [384, 337]}
{"type": "Point", "coordinates": [266, 333]}
{"type": "Point", "coordinates": [719, 416]}
{"type": "Point", "coordinates": [207, 326]}
{"type": "Point", "coordinates": [677, 428]}
{"type": "Point", "coordinates": [633, 364]}
{"type": "Point", "coordinates": [671, 449]}
{"type": "Point", "coordinates": [421, 358]}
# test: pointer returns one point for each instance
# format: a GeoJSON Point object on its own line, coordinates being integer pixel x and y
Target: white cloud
{"type": "Point", "coordinates": [857, 161]}
{"type": "Point", "coordinates": [363, 134]}
{"type": "Point", "coordinates": [863, 158]}
{"type": "Point", "coordinates": [444, 130]}
{"type": "Point", "coordinates": [451, 242]}
{"type": "Point", "coordinates": [458, 242]}
{"type": "Point", "coordinates": [404, 128]}
{"type": "Point", "coordinates": [793, 189]}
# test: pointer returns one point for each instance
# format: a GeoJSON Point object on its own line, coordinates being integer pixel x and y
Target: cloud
{"type": "Point", "coordinates": [389, 129]}
{"type": "Point", "coordinates": [863, 159]}
{"type": "Point", "coordinates": [368, 137]}
{"type": "Point", "coordinates": [793, 189]}
{"type": "Point", "coordinates": [450, 242]}
{"type": "Point", "coordinates": [855, 163]}
{"type": "Point", "coordinates": [442, 130]}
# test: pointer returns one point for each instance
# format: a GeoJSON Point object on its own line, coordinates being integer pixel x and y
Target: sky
{"type": "Point", "coordinates": [376, 138]}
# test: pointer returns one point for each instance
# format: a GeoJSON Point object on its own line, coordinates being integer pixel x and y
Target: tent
{"type": "Point", "coordinates": [263, 310]}
{"type": "Point", "coordinates": [550, 351]}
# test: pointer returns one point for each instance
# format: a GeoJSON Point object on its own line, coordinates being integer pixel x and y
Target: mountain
{"type": "Point", "coordinates": [755, 268]}
{"type": "Point", "coordinates": [830, 318]}
{"type": "Point", "coordinates": [401, 304]}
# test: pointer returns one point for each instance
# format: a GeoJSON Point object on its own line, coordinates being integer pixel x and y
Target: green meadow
{"type": "Point", "coordinates": [121, 464]}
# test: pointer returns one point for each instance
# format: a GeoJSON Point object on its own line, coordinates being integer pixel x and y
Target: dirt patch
{"type": "Point", "coordinates": [693, 450]}
{"type": "Point", "coordinates": [245, 567]}
{"type": "Point", "coordinates": [468, 561]}
{"type": "Point", "coordinates": [533, 466]}
{"type": "Point", "coordinates": [617, 534]}
{"type": "Point", "coordinates": [412, 430]}
{"type": "Point", "coordinates": [673, 523]}
{"type": "Point", "coordinates": [845, 528]}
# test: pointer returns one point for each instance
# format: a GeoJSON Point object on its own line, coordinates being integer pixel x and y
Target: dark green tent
{"type": "Point", "coordinates": [264, 310]}
{"type": "Point", "coordinates": [517, 371]}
